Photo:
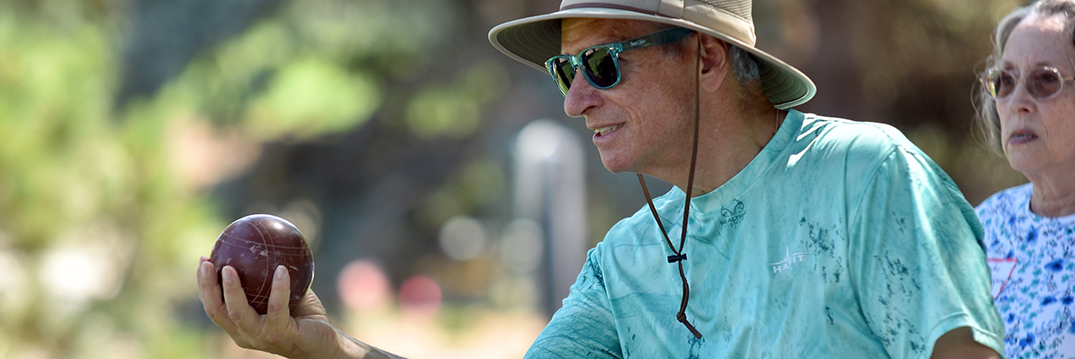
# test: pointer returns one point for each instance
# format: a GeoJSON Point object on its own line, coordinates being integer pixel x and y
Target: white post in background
{"type": "Point", "coordinates": [550, 190]}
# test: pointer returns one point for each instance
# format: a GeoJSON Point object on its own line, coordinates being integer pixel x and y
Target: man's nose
{"type": "Point", "coordinates": [580, 97]}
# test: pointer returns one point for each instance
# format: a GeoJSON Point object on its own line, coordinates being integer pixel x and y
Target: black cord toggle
{"type": "Point", "coordinates": [677, 257]}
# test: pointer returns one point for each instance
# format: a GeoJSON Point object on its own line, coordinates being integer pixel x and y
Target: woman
{"type": "Point", "coordinates": [1028, 112]}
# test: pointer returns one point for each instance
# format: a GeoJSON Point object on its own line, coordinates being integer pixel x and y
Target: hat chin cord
{"type": "Point", "coordinates": [679, 256]}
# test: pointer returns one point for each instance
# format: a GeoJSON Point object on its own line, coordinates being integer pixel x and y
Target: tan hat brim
{"type": "Point", "coordinates": [533, 40]}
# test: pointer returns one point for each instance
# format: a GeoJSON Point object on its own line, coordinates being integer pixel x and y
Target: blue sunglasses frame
{"type": "Point", "coordinates": [573, 63]}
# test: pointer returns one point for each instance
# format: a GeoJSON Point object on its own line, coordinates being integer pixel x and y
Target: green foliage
{"type": "Point", "coordinates": [94, 233]}
{"type": "Point", "coordinates": [274, 88]}
{"type": "Point", "coordinates": [311, 97]}
{"type": "Point", "coordinates": [100, 225]}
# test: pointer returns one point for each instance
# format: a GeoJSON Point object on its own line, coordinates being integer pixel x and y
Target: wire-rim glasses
{"type": "Point", "coordinates": [601, 64]}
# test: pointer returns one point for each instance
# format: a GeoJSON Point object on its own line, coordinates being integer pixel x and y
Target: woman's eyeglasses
{"type": "Point", "coordinates": [600, 64]}
{"type": "Point", "coordinates": [1043, 83]}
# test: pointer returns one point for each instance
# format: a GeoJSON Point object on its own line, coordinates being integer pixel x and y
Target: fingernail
{"type": "Point", "coordinates": [280, 272]}
{"type": "Point", "coordinates": [228, 276]}
{"type": "Point", "coordinates": [203, 270]}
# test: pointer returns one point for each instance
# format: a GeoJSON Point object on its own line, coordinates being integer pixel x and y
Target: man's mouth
{"type": "Point", "coordinates": [606, 130]}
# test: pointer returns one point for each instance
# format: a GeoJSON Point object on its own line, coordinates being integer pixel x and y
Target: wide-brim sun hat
{"type": "Point", "coordinates": [534, 39]}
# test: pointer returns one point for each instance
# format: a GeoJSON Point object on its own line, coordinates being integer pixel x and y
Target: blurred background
{"type": "Point", "coordinates": [448, 199]}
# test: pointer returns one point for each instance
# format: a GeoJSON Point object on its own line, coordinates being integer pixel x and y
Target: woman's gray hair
{"type": "Point", "coordinates": [988, 121]}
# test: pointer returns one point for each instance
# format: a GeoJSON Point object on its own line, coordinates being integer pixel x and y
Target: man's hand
{"type": "Point", "coordinates": [959, 343]}
{"type": "Point", "coordinates": [306, 334]}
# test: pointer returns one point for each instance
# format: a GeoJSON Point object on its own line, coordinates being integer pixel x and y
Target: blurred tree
{"type": "Point", "coordinates": [170, 33]}
{"type": "Point", "coordinates": [94, 232]}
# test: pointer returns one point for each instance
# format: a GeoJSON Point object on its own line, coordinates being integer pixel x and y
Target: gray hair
{"type": "Point", "coordinates": [745, 67]}
{"type": "Point", "coordinates": [746, 71]}
{"type": "Point", "coordinates": [988, 120]}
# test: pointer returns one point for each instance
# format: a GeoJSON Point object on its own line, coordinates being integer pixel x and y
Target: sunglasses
{"type": "Point", "coordinates": [1043, 83]}
{"type": "Point", "coordinates": [601, 64]}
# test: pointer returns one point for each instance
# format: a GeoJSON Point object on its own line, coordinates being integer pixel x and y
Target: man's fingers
{"type": "Point", "coordinates": [277, 314]}
{"type": "Point", "coordinates": [207, 285]}
{"type": "Point", "coordinates": [239, 310]}
{"type": "Point", "coordinates": [210, 294]}
{"type": "Point", "coordinates": [308, 305]}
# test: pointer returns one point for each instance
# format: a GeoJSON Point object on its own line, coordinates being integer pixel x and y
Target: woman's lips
{"type": "Point", "coordinates": [1019, 138]}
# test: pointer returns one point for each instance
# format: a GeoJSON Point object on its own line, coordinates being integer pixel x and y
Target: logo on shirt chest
{"type": "Point", "coordinates": [734, 215]}
{"type": "Point", "coordinates": [790, 260]}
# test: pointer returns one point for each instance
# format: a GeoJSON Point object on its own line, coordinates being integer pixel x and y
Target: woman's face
{"type": "Point", "coordinates": [1038, 136]}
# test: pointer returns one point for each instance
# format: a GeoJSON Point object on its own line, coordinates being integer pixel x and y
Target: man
{"type": "Point", "coordinates": [798, 235]}
{"type": "Point", "coordinates": [806, 236]}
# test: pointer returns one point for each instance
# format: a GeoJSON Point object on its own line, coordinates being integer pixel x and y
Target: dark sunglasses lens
{"type": "Point", "coordinates": [1043, 83]}
{"type": "Point", "coordinates": [563, 73]}
{"type": "Point", "coordinates": [601, 67]}
{"type": "Point", "coordinates": [1001, 83]}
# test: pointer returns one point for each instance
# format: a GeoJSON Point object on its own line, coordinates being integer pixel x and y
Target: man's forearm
{"type": "Point", "coordinates": [351, 348]}
{"type": "Point", "coordinates": [959, 343]}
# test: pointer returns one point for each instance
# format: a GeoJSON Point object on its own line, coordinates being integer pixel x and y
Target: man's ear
{"type": "Point", "coordinates": [714, 62]}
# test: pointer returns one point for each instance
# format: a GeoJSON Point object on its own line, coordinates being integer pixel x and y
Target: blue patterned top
{"type": "Point", "coordinates": [1033, 263]}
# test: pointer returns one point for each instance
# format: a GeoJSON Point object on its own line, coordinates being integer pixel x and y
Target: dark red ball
{"type": "Point", "coordinates": [255, 245]}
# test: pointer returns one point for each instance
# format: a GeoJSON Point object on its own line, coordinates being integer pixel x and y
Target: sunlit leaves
{"type": "Point", "coordinates": [53, 120]}
{"type": "Point", "coordinates": [312, 97]}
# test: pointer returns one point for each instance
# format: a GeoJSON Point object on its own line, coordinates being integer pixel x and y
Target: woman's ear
{"type": "Point", "coordinates": [714, 66]}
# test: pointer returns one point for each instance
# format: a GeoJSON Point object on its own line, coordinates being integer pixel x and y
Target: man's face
{"type": "Point", "coordinates": [643, 124]}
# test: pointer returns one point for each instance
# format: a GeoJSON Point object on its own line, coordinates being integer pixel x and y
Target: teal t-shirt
{"type": "Point", "coordinates": [839, 240]}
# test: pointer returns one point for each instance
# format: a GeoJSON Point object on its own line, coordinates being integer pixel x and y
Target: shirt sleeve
{"type": "Point", "coordinates": [584, 326]}
{"type": "Point", "coordinates": [917, 259]}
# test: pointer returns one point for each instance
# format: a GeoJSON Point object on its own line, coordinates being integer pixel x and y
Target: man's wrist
{"type": "Point", "coordinates": [351, 348]}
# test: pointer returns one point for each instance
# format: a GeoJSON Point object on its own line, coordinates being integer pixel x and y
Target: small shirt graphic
{"type": "Point", "coordinates": [789, 260]}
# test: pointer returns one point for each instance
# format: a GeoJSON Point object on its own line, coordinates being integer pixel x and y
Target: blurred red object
{"type": "Point", "coordinates": [363, 286]}
{"type": "Point", "coordinates": [420, 295]}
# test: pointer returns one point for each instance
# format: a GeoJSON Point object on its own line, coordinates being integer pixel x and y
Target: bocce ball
{"type": "Point", "coordinates": [255, 245]}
